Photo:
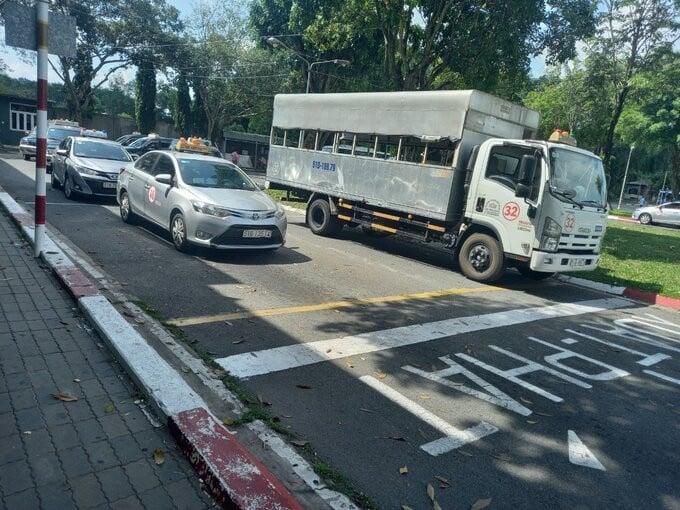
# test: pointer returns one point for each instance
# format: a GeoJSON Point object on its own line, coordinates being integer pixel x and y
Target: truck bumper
{"type": "Point", "coordinates": [562, 262]}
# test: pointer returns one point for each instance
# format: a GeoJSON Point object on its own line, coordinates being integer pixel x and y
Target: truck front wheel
{"type": "Point", "coordinates": [320, 220]}
{"type": "Point", "coordinates": [481, 258]}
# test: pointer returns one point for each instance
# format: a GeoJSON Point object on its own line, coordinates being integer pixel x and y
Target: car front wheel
{"type": "Point", "coordinates": [645, 219]}
{"type": "Point", "coordinates": [178, 230]}
{"type": "Point", "coordinates": [69, 191]}
{"type": "Point", "coordinates": [54, 182]}
{"type": "Point", "coordinates": [126, 213]}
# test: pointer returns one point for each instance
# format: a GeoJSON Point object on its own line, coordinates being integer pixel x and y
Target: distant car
{"type": "Point", "coordinates": [201, 200]}
{"type": "Point", "coordinates": [148, 143]}
{"type": "Point", "coordinates": [57, 130]}
{"type": "Point", "coordinates": [665, 213]}
{"type": "Point", "coordinates": [128, 139]}
{"type": "Point", "coordinates": [88, 166]}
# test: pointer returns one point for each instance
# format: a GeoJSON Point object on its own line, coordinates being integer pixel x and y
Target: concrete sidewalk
{"type": "Point", "coordinates": [75, 432]}
{"type": "Point", "coordinates": [226, 463]}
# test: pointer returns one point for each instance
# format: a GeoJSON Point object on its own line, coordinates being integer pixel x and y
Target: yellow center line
{"type": "Point", "coordinates": [205, 319]}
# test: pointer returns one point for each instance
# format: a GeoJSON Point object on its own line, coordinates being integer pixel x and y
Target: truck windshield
{"type": "Point", "coordinates": [577, 178]}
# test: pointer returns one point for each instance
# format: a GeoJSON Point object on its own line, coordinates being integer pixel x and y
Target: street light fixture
{"type": "Point", "coordinates": [276, 43]}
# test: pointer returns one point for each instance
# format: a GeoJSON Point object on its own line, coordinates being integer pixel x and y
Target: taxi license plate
{"type": "Point", "coordinates": [109, 184]}
{"type": "Point", "coordinates": [577, 262]}
{"type": "Point", "coordinates": [257, 233]}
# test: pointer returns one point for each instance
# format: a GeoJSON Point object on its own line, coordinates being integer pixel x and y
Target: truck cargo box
{"type": "Point", "coordinates": [376, 129]}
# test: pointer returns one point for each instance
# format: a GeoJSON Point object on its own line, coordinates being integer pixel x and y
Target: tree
{"type": "Point", "coordinates": [652, 117]}
{"type": "Point", "coordinates": [145, 100]}
{"type": "Point", "coordinates": [629, 33]}
{"type": "Point", "coordinates": [426, 44]}
{"type": "Point", "coordinates": [182, 104]}
{"type": "Point", "coordinates": [110, 35]}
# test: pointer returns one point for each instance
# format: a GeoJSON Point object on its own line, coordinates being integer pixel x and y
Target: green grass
{"type": "Point", "coordinates": [640, 257]}
{"type": "Point", "coordinates": [281, 196]}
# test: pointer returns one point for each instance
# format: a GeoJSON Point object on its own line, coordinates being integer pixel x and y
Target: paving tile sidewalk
{"type": "Point", "coordinates": [95, 452]}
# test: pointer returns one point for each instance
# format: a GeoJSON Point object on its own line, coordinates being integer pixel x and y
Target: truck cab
{"type": "Point", "coordinates": [544, 202]}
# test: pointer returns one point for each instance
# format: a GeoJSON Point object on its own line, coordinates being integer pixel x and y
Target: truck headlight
{"type": "Point", "coordinates": [210, 209]}
{"type": "Point", "coordinates": [550, 237]}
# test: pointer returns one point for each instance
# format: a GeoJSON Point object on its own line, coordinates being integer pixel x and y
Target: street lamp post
{"type": "Point", "coordinates": [625, 176]}
{"type": "Point", "coordinates": [277, 42]}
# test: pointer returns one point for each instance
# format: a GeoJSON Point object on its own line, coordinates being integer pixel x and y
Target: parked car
{"type": "Point", "coordinates": [201, 200]}
{"type": "Point", "coordinates": [88, 166]}
{"type": "Point", "coordinates": [128, 139]}
{"type": "Point", "coordinates": [665, 213]}
{"type": "Point", "coordinates": [148, 143]}
{"type": "Point", "coordinates": [57, 130]}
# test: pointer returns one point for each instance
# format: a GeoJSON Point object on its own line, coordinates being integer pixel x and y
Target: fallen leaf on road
{"type": "Point", "coordinates": [435, 506]}
{"type": "Point", "coordinates": [227, 421]}
{"type": "Point", "coordinates": [110, 409]}
{"type": "Point", "coordinates": [76, 380]}
{"type": "Point", "coordinates": [532, 422]}
{"type": "Point", "coordinates": [396, 438]}
{"type": "Point", "coordinates": [430, 491]}
{"type": "Point", "coordinates": [240, 341]}
{"type": "Point", "coordinates": [185, 370]}
{"type": "Point", "coordinates": [481, 503]}
{"type": "Point", "coordinates": [65, 397]}
{"type": "Point", "coordinates": [442, 479]}
{"type": "Point", "coordinates": [298, 442]}
{"type": "Point", "coordinates": [303, 386]}
{"type": "Point", "coordinates": [525, 400]}
{"type": "Point", "coordinates": [503, 456]}
{"type": "Point", "coordinates": [543, 414]}
{"type": "Point", "coordinates": [228, 323]}
{"type": "Point", "coordinates": [406, 507]}
{"type": "Point", "coordinates": [467, 454]}
{"type": "Point", "coordinates": [403, 470]}
{"type": "Point", "coordinates": [158, 456]}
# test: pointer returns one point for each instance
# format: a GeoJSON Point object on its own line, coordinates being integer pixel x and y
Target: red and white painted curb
{"type": "Point", "coordinates": [236, 479]}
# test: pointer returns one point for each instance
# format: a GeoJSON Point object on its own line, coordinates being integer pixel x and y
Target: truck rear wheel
{"type": "Point", "coordinates": [481, 258]}
{"type": "Point", "coordinates": [320, 220]}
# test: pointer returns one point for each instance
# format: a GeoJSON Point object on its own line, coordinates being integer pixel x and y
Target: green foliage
{"type": "Point", "coordinates": [182, 105]}
{"type": "Point", "coordinates": [145, 102]}
{"type": "Point", "coordinates": [421, 45]}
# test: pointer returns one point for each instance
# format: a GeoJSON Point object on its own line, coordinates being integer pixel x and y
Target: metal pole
{"type": "Point", "coordinates": [41, 126]}
{"type": "Point", "coordinates": [625, 176]}
{"type": "Point", "coordinates": [309, 75]}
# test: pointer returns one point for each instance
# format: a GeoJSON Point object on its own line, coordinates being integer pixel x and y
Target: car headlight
{"type": "Point", "coordinates": [550, 236]}
{"type": "Point", "coordinates": [280, 212]}
{"type": "Point", "coordinates": [210, 209]}
{"type": "Point", "coordinates": [85, 170]}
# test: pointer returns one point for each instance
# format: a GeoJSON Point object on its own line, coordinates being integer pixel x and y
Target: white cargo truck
{"type": "Point", "coordinates": [458, 168]}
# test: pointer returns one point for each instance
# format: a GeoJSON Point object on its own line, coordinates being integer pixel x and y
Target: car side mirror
{"type": "Point", "coordinates": [164, 178]}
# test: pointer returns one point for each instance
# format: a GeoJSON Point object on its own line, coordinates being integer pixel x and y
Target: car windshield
{"type": "Point", "coordinates": [214, 174]}
{"type": "Point", "coordinates": [97, 150]}
{"type": "Point", "coordinates": [138, 142]}
{"type": "Point", "coordinates": [577, 177]}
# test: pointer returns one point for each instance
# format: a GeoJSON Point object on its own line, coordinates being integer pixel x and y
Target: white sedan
{"type": "Point", "coordinates": [665, 213]}
{"type": "Point", "coordinates": [201, 200]}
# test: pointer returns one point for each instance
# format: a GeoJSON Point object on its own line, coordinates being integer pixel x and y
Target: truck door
{"type": "Point", "coordinates": [493, 195]}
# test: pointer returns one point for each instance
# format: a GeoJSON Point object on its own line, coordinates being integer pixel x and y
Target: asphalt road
{"type": "Point", "coordinates": [401, 374]}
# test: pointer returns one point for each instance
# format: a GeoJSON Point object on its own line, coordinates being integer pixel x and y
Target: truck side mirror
{"type": "Point", "coordinates": [522, 191]}
{"type": "Point", "coordinates": [527, 170]}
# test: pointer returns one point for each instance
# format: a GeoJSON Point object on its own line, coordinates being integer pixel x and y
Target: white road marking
{"type": "Point", "coordinates": [292, 356]}
{"type": "Point", "coordinates": [493, 395]}
{"type": "Point", "coordinates": [662, 377]}
{"type": "Point", "coordinates": [454, 437]}
{"type": "Point", "coordinates": [647, 361]}
{"type": "Point", "coordinates": [580, 455]}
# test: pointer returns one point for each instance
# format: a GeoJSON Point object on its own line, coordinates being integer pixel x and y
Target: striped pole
{"type": "Point", "coordinates": [41, 127]}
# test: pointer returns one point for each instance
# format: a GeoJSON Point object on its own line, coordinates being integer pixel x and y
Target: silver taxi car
{"type": "Point", "coordinates": [201, 200]}
{"type": "Point", "coordinates": [668, 213]}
